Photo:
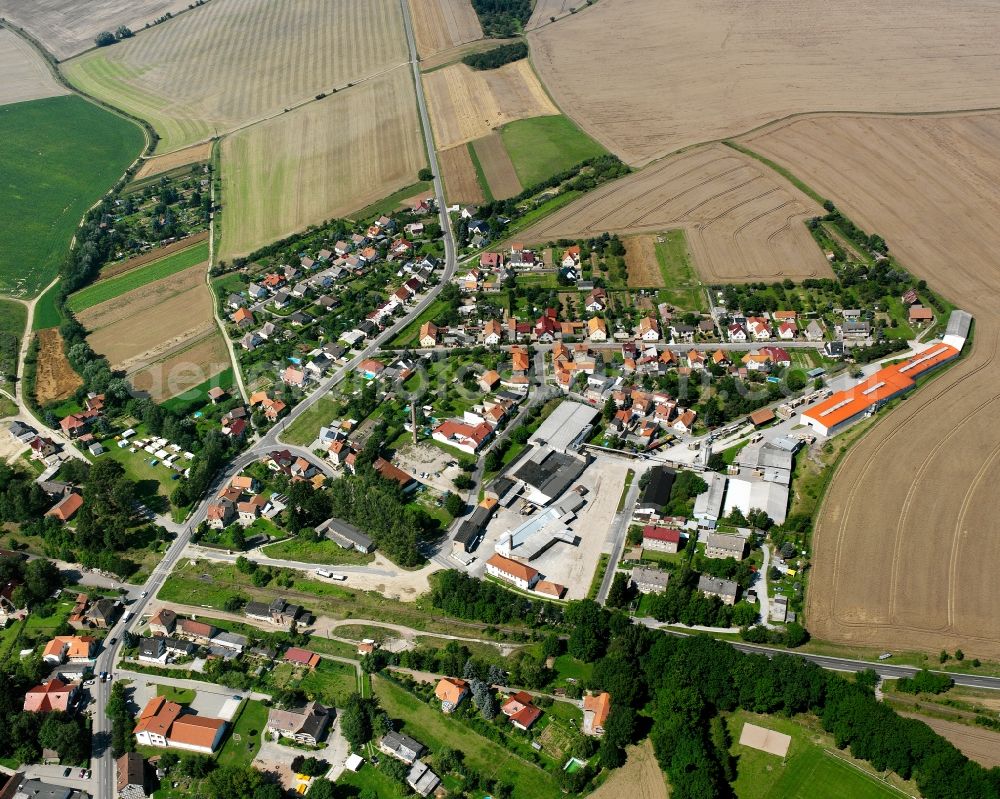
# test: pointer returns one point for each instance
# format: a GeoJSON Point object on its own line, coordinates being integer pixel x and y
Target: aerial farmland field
{"type": "Point", "coordinates": [905, 545]}
{"type": "Point", "coordinates": [60, 155]}
{"type": "Point", "coordinates": [67, 27]}
{"type": "Point", "coordinates": [541, 147]}
{"type": "Point", "coordinates": [466, 104]}
{"type": "Point", "coordinates": [459, 173]}
{"type": "Point", "coordinates": [699, 70]}
{"type": "Point", "coordinates": [327, 159]}
{"type": "Point", "coordinates": [442, 24]}
{"type": "Point", "coordinates": [233, 62]}
{"type": "Point", "coordinates": [26, 76]}
{"type": "Point", "coordinates": [743, 221]}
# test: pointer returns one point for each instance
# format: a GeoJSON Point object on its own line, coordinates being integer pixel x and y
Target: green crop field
{"type": "Point", "coordinates": [114, 287]}
{"type": "Point", "coordinates": [812, 769]}
{"type": "Point", "coordinates": [541, 147]}
{"type": "Point", "coordinates": [60, 155]}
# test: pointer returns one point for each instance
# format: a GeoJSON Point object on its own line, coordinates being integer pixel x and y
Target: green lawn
{"type": "Point", "coordinates": [809, 771]}
{"type": "Point", "coordinates": [114, 287]}
{"type": "Point", "coordinates": [60, 155]}
{"type": "Point", "coordinates": [331, 683]}
{"type": "Point", "coordinates": [182, 696]}
{"type": "Point", "coordinates": [374, 781]}
{"type": "Point", "coordinates": [679, 279]}
{"type": "Point", "coordinates": [322, 552]}
{"type": "Point", "coordinates": [437, 731]}
{"type": "Point", "coordinates": [541, 147]}
{"type": "Point", "coordinates": [389, 204]}
{"type": "Point", "coordinates": [244, 740]}
{"type": "Point", "coordinates": [46, 313]}
{"type": "Point", "coordinates": [197, 396]}
{"type": "Point", "coordinates": [305, 428]}
{"type": "Point", "coordinates": [567, 667]}
{"type": "Point", "coordinates": [407, 337]}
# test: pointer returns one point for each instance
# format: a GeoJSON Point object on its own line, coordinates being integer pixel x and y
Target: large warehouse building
{"type": "Point", "coordinates": [868, 396]}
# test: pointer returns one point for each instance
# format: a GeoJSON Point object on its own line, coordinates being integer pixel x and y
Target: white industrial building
{"type": "Point", "coordinates": [708, 504]}
{"type": "Point", "coordinates": [566, 427]}
{"type": "Point", "coordinates": [749, 493]}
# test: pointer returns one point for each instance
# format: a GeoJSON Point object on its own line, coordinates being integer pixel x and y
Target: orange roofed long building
{"type": "Point", "coordinates": [869, 395]}
{"type": "Point", "coordinates": [512, 572]}
{"type": "Point", "coordinates": [163, 723]}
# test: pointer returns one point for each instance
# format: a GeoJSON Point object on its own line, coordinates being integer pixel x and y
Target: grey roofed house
{"type": "Point", "coordinates": [708, 504]}
{"type": "Point", "coordinates": [264, 652]}
{"type": "Point", "coordinates": [131, 783]}
{"type": "Point", "coordinates": [471, 530]}
{"type": "Point", "coordinates": [346, 535]}
{"type": "Point", "coordinates": [421, 779]}
{"type": "Point", "coordinates": [656, 494]}
{"type": "Point", "coordinates": [233, 641]}
{"type": "Point", "coordinates": [151, 648]}
{"type": "Point", "coordinates": [257, 610]}
{"type": "Point", "coordinates": [721, 545]}
{"type": "Point", "coordinates": [834, 349]}
{"type": "Point", "coordinates": [764, 456]}
{"type": "Point", "coordinates": [55, 488]}
{"type": "Point", "coordinates": [401, 746]}
{"type": "Point", "coordinates": [103, 612]}
{"type": "Point", "coordinates": [305, 725]}
{"type": "Point", "coordinates": [548, 474]}
{"type": "Point", "coordinates": [223, 652]}
{"type": "Point", "coordinates": [650, 581]}
{"type": "Point", "coordinates": [21, 431]}
{"type": "Point", "coordinates": [724, 589]}
{"type": "Point", "coordinates": [178, 647]}
{"type": "Point", "coordinates": [236, 301]}
{"type": "Point", "coordinates": [36, 789]}
{"type": "Point", "coordinates": [855, 329]}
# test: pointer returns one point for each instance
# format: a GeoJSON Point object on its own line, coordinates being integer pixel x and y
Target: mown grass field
{"type": "Point", "coordinates": [46, 313]}
{"type": "Point", "coordinates": [304, 430]}
{"type": "Point", "coordinates": [248, 727]}
{"type": "Point", "coordinates": [541, 147]}
{"type": "Point", "coordinates": [137, 278]}
{"type": "Point", "coordinates": [319, 552]}
{"type": "Point", "coordinates": [60, 155]}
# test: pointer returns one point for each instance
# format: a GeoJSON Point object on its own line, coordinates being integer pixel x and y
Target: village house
{"type": "Point", "coordinates": [451, 691]}
{"type": "Point", "coordinates": [66, 508]}
{"type": "Point", "coordinates": [428, 336]}
{"type": "Point", "coordinates": [400, 746]}
{"type": "Point", "coordinates": [713, 586]}
{"type": "Point", "coordinates": [720, 545]}
{"type": "Point", "coordinates": [595, 712]}
{"type": "Point", "coordinates": [524, 577]}
{"type": "Point", "coordinates": [196, 631]}
{"type": "Point", "coordinates": [519, 709]}
{"type": "Point", "coordinates": [163, 622]}
{"type": "Point", "coordinates": [648, 329]}
{"type": "Point", "coordinates": [70, 649]}
{"type": "Point", "coordinates": [54, 695]}
{"type": "Point", "coordinates": [648, 580]}
{"type": "Point", "coordinates": [306, 725]}
{"type": "Point", "coordinates": [164, 724]}
{"type": "Point", "coordinates": [597, 329]}
{"type": "Point", "coordinates": [465, 437]}
{"type": "Point", "coordinates": [301, 657]}
{"type": "Point", "coordinates": [133, 780]}
{"type": "Point", "coordinates": [660, 539]}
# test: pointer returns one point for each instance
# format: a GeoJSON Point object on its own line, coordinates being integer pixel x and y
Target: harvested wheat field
{"type": "Point", "coordinates": [700, 70]}
{"type": "Point", "coordinates": [442, 24]}
{"type": "Point", "coordinates": [466, 104]}
{"type": "Point", "coordinates": [743, 221]}
{"type": "Point", "coordinates": [54, 378]}
{"type": "Point", "coordinates": [327, 159]}
{"type": "Point", "coordinates": [641, 264]}
{"type": "Point", "coordinates": [975, 743]}
{"type": "Point", "coordinates": [461, 185]}
{"type": "Point", "coordinates": [545, 10]}
{"type": "Point", "coordinates": [150, 323]}
{"type": "Point", "coordinates": [905, 548]}
{"type": "Point", "coordinates": [67, 27]}
{"type": "Point", "coordinates": [231, 62]}
{"type": "Point", "coordinates": [159, 164]}
{"type": "Point", "coordinates": [183, 369]}
{"type": "Point", "coordinates": [26, 76]}
{"type": "Point", "coordinates": [639, 778]}
{"type": "Point", "coordinates": [497, 166]}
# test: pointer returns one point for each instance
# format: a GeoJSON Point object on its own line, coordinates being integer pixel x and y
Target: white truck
{"type": "Point", "coordinates": [329, 575]}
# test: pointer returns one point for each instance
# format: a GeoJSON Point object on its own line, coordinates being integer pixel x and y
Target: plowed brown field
{"type": "Point", "coordinates": [497, 166]}
{"type": "Point", "coordinates": [648, 77]}
{"type": "Point", "coordinates": [460, 182]}
{"type": "Point", "coordinates": [184, 369]}
{"type": "Point", "coordinates": [905, 549]}
{"type": "Point", "coordinates": [54, 377]}
{"type": "Point", "coordinates": [466, 104]}
{"type": "Point", "coordinates": [743, 221]}
{"type": "Point", "coordinates": [976, 743]}
{"type": "Point", "coordinates": [442, 24]}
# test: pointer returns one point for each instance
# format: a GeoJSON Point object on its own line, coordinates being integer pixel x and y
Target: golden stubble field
{"type": "Point", "coordinates": [25, 73]}
{"type": "Point", "coordinates": [324, 160]}
{"type": "Point", "coordinates": [905, 550]}
{"type": "Point", "coordinates": [460, 182]}
{"type": "Point", "coordinates": [233, 62]}
{"type": "Point", "coordinates": [648, 77]}
{"type": "Point", "coordinates": [743, 221]}
{"type": "Point", "coordinates": [440, 25]}
{"type": "Point", "coordinates": [466, 104]}
{"type": "Point", "coordinates": [67, 27]}
{"type": "Point", "coordinates": [194, 154]}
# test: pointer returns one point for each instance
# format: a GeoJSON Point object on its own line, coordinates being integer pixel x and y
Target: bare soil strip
{"type": "Point", "coordinates": [905, 548]}
{"type": "Point", "coordinates": [497, 167]}
{"type": "Point", "coordinates": [153, 255]}
{"type": "Point", "coordinates": [54, 378]}
{"type": "Point", "coordinates": [639, 778]}
{"type": "Point", "coordinates": [743, 221]}
{"type": "Point", "coordinates": [181, 370]}
{"type": "Point", "coordinates": [640, 261]}
{"type": "Point", "coordinates": [460, 180]}
{"type": "Point", "coordinates": [194, 154]}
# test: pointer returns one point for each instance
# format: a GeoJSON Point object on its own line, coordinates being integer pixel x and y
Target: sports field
{"type": "Point", "coordinates": [60, 154]}
{"type": "Point", "coordinates": [327, 159]}
{"type": "Point", "coordinates": [648, 77]}
{"type": "Point", "coordinates": [109, 289]}
{"type": "Point", "coordinates": [26, 76]}
{"type": "Point", "coordinates": [541, 147]}
{"type": "Point", "coordinates": [904, 548]}
{"type": "Point", "coordinates": [232, 62]}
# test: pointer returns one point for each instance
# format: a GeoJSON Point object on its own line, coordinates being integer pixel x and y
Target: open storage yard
{"type": "Point", "coordinates": [743, 221]}
{"type": "Point", "coordinates": [26, 76]}
{"type": "Point", "coordinates": [905, 547]}
{"type": "Point", "coordinates": [442, 24]}
{"type": "Point", "coordinates": [232, 62]}
{"type": "Point", "coordinates": [706, 69]}
{"type": "Point", "coordinates": [67, 27]}
{"type": "Point", "coordinates": [324, 160]}
{"type": "Point", "coordinates": [465, 104]}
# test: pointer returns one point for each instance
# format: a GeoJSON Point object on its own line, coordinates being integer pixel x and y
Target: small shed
{"type": "Point", "coordinates": [762, 417]}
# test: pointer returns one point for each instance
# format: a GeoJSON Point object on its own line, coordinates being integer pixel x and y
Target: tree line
{"type": "Point", "coordinates": [498, 56]}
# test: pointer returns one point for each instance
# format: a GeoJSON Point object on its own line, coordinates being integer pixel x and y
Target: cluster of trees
{"type": "Point", "coordinates": [502, 18]}
{"type": "Point", "coordinates": [791, 635]}
{"type": "Point", "coordinates": [498, 56]}
{"type": "Point", "coordinates": [925, 681]}
{"type": "Point", "coordinates": [37, 580]}
{"type": "Point", "coordinates": [21, 498]}
{"type": "Point", "coordinates": [363, 719]}
{"type": "Point", "coordinates": [878, 350]}
{"type": "Point", "coordinates": [122, 739]}
{"type": "Point", "coordinates": [105, 38]}
{"type": "Point", "coordinates": [458, 594]}
{"type": "Point", "coordinates": [683, 602]}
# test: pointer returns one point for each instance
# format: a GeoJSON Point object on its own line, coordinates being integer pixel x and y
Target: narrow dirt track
{"type": "Point", "coordinates": [905, 550]}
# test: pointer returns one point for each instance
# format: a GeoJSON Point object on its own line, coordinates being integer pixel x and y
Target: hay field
{"type": "Point", "coordinates": [26, 76]}
{"type": "Point", "coordinates": [54, 378]}
{"type": "Point", "coordinates": [159, 164]}
{"type": "Point", "coordinates": [743, 221]}
{"type": "Point", "coordinates": [497, 166]}
{"type": "Point", "coordinates": [905, 548]}
{"type": "Point", "coordinates": [544, 10]}
{"type": "Point", "coordinates": [67, 27]}
{"type": "Point", "coordinates": [466, 104]}
{"type": "Point", "coordinates": [460, 182]}
{"type": "Point", "coordinates": [701, 70]}
{"type": "Point", "coordinates": [442, 24]}
{"type": "Point", "coordinates": [232, 62]}
{"type": "Point", "coordinates": [327, 159]}
{"type": "Point", "coordinates": [639, 778]}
